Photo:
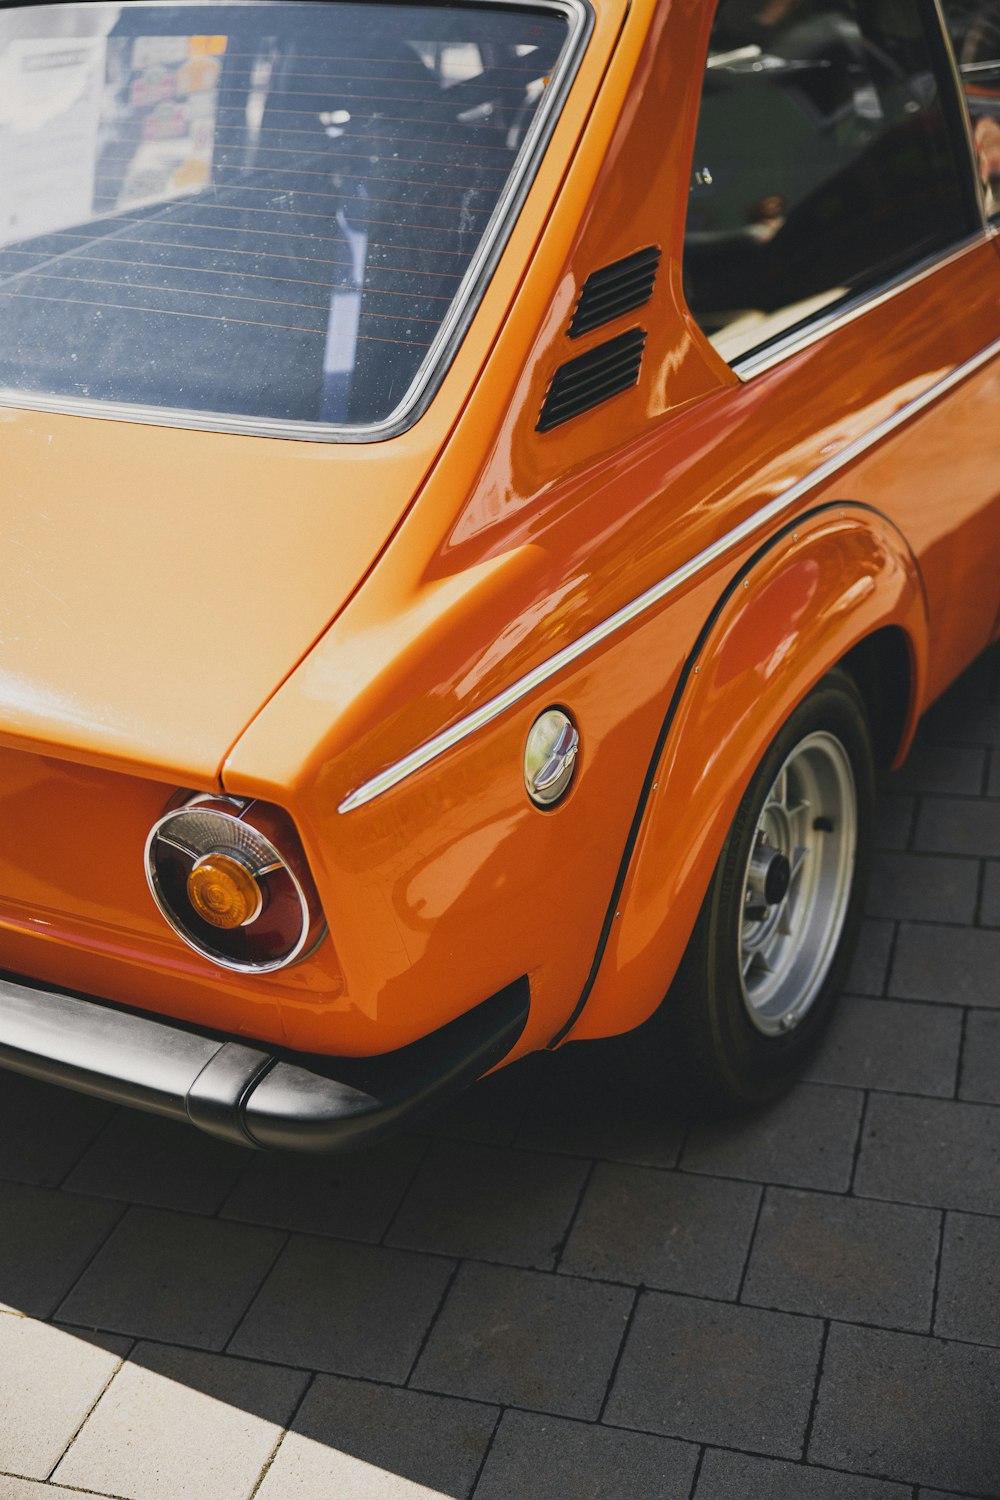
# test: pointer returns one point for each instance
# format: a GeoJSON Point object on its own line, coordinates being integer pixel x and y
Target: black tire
{"type": "Point", "coordinates": [760, 978]}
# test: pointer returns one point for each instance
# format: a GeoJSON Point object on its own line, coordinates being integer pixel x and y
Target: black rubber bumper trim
{"type": "Point", "coordinates": [240, 1090]}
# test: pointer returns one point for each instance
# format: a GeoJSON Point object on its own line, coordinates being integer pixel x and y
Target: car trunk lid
{"type": "Point", "coordinates": [157, 585]}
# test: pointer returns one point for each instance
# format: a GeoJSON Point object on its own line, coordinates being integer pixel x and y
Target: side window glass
{"type": "Point", "coordinates": [975, 31]}
{"type": "Point", "coordinates": [823, 164]}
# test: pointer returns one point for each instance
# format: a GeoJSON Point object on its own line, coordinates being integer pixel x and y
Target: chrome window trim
{"type": "Point", "coordinates": [758, 361]}
{"type": "Point", "coordinates": [580, 19]}
{"type": "Point", "coordinates": [524, 686]}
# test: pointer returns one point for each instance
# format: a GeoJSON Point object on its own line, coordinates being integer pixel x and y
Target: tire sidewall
{"type": "Point", "coordinates": [755, 1066]}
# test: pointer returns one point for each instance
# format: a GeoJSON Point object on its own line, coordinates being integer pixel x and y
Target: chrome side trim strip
{"type": "Point", "coordinates": [579, 16]}
{"type": "Point", "coordinates": [757, 362]}
{"type": "Point", "coordinates": [526, 685]}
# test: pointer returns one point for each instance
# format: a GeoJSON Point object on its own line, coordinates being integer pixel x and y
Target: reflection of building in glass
{"type": "Point", "coordinates": [90, 125]}
{"type": "Point", "coordinates": [50, 113]}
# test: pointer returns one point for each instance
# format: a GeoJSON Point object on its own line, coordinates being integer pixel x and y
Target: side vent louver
{"type": "Point", "coordinates": [614, 290]}
{"type": "Point", "coordinates": [592, 378]}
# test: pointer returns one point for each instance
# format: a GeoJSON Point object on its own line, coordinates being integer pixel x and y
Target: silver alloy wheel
{"type": "Point", "coordinates": [797, 883]}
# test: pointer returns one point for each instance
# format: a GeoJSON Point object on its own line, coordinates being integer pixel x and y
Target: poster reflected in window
{"type": "Point", "coordinates": [162, 96]}
{"type": "Point", "coordinates": [50, 113]}
{"type": "Point", "coordinates": [92, 126]}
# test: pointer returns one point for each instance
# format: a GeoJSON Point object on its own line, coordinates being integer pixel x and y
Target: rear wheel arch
{"type": "Point", "coordinates": [879, 638]}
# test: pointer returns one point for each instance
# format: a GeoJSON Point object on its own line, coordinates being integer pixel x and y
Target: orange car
{"type": "Point", "coordinates": [482, 487]}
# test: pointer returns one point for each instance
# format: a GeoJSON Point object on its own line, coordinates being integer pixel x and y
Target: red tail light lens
{"type": "Point", "coordinates": [231, 879]}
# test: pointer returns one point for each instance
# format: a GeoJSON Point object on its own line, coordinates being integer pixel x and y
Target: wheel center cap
{"type": "Point", "coordinates": [777, 879]}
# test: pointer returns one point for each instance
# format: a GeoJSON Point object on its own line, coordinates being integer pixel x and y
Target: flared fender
{"type": "Point", "coordinates": [798, 606]}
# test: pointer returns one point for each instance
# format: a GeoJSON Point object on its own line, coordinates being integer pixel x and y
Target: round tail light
{"type": "Point", "coordinates": [231, 879]}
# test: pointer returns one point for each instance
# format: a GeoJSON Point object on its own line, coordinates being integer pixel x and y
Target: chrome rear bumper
{"type": "Point", "coordinates": [241, 1090]}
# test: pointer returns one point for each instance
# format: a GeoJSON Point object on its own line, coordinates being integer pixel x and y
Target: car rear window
{"type": "Point", "coordinates": [257, 216]}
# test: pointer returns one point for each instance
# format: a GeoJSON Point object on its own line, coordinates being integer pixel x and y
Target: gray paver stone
{"type": "Point", "coordinates": [959, 825]}
{"type": "Point", "coordinates": [909, 1408]}
{"type": "Point", "coordinates": [180, 1425]}
{"type": "Point", "coordinates": [968, 1305]}
{"type": "Point", "coordinates": [353, 1196]}
{"type": "Point", "coordinates": [540, 1458]}
{"type": "Point", "coordinates": [45, 1129]}
{"type": "Point", "coordinates": [145, 1159]}
{"type": "Point", "coordinates": [989, 911]}
{"type": "Point", "coordinates": [892, 1045]}
{"type": "Point", "coordinates": [605, 1100]}
{"type": "Point", "coordinates": [952, 965]}
{"type": "Point", "coordinates": [663, 1229]}
{"type": "Point", "coordinates": [894, 817]}
{"type": "Point", "coordinates": [173, 1277]}
{"type": "Point", "coordinates": [923, 888]}
{"type": "Point", "coordinates": [980, 1076]}
{"type": "Point", "coordinates": [844, 1258]}
{"type": "Point", "coordinates": [870, 966]}
{"type": "Point", "coordinates": [806, 1139]}
{"type": "Point", "coordinates": [715, 1373]}
{"type": "Point", "coordinates": [49, 1380]}
{"type": "Point", "coordinates": [344, 1308]}
{"type": "Point", "coordinates": [490, 1202]}
{"type": "Point", "coordinates": [923, 1494]}
{"type": "Point", "coordinates": [943, 1154]}
{"type": "Point", "coordinates": [356, 1441]}
{"type": "Point", "coordinates": [527, 1339]}
{"type": "Point", "coordinates": [941, 768]}
{"type": "Point", "coordinates": [46, 1239]}
{"type": "Point", "coordinates": [735, 1476]}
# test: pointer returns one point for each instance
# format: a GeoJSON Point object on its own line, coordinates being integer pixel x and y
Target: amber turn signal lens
{"type": "Point", "coordinates": [223, 892]}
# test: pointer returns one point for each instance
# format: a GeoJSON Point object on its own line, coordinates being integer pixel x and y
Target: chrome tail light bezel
{"type": "Point", "coordinates": [291, 860]}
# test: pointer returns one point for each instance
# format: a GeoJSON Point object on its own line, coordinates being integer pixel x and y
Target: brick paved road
{"type": "Point", "coordinates": [557, 1291]}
